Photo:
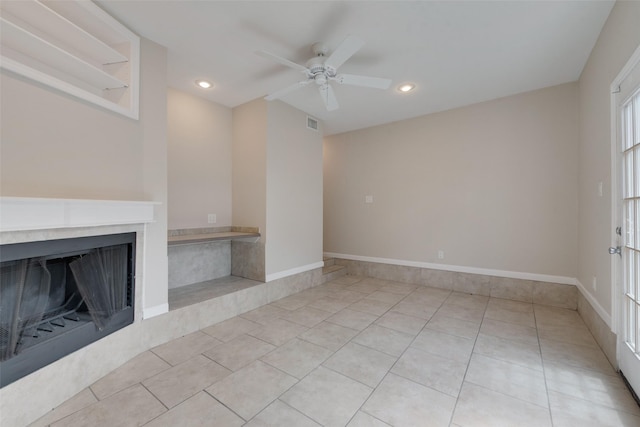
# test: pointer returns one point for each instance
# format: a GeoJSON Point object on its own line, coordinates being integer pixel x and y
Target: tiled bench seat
{"type": "Point", "coordinates": [204, 254]}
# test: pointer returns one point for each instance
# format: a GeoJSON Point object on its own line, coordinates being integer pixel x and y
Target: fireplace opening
{"type": "Point", "coordinates": [57, 296]}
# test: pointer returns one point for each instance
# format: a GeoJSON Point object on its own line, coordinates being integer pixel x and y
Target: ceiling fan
{"type": "Point", "coordinates": [322, 69]}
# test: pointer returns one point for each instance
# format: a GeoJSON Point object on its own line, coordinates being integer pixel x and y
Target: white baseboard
{"type": "Point", "coordinates": [606, 317]}
{"type": "Point", "coordinates": [459, 269]}
{"type": "Point", "coordinates": [286, 273]}
{"type": "Point", "coordinates": [148, 313]}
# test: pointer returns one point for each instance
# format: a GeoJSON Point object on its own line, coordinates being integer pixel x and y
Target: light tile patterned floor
{"type": "Point", "coordinates": [368, 352]}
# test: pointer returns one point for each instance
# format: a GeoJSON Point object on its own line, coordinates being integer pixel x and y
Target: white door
{"type": "Point", "coordinates": [627, 252]}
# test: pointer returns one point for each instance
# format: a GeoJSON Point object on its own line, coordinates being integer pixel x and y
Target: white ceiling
{"type": "Point", "coordinates": [457, 53]}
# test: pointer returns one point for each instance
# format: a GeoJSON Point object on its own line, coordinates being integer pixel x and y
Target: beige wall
{"type": "Point", "coordinates": [199, 134]}
{"type": "Point", "coordinates": [249, 165]}
{"type": "Point", "coordinates": [249, 187]}
{"type": "Point", "coordinates": [294, 190]}
{"type": "Point", "coordinates": [277, 184]}
{"type": "Point", "coordinates": [617, 42]}
{"type": "Point", "coordinates": [153, 121]}
{"type": "Point", "coordinates": [493, 185]}
{"type": "Point", "coordinates": [54, 145]}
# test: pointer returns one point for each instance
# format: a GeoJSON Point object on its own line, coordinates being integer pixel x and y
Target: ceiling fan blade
{"type": "Point", "coordinates": [328, 97]}
{"type": "Point", "coordinates": [281, 60]}
{"type": "Point", "coordinates": [344, 51]}
{"type": "Point", "coordinates": [282, 92]}
{"type": "Point", "coordinates": [366, 81]}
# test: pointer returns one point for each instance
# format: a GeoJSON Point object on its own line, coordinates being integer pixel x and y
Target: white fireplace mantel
{"type": "Point", "coordinates": [24, 220]}
{"type": "Point", "coordinates": [26, 213]}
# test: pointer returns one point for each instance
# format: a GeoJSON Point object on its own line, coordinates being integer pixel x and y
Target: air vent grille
{"type": "Point", "coordinates": [312, 123]}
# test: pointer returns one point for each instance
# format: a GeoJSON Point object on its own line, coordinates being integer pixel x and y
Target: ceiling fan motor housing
{"type": "Point", "coordinates": [317, 70]}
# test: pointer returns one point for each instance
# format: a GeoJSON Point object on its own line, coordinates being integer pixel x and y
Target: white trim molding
{"type": "Point", "coordinates": [26, 213]}
{"type": "Point", "coordinates": [606, 317]}
{"type": "Point", "coordinates": [458, 269]}
{"type": "Point", "coordinates": [292, 271]}
{"type": "Point", "coordinates": [616, 298]}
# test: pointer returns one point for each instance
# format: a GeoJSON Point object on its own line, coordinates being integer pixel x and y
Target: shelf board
{"type": "Point", "coordinates": [187, 239]}
{"type": "Point", "coordinates": [45, 20]}
{"type": "Point", "coordinates": [73, 46]}
{"type": "Point", "coordinates": [29, 44]}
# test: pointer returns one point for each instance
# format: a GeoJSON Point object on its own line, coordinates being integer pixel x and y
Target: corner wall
{"type": "Point", "coordinates": [618, 40]}
{"type": "Point", "coordinates": [249, 188]}
{"type": "Point", "coordinates": [294, 193]}
{"type": "Point", "coordinates": [277, 186]}
{"type": "Point", "coordinates": [199, 164]}
{"type": "Point", "coordinates": [153, 115]}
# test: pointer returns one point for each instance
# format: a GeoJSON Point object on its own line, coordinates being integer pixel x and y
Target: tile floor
{"type": "Point", "coordinates": [368, 352]}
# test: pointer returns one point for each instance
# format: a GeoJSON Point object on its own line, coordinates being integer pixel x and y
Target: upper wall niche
{"type": "Point", "coordinates": [75, 47]}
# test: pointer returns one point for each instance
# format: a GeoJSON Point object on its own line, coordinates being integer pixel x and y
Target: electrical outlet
{"type": "Point", "coordinates": [211, 218]}
{"type": "Point", "coordinates": [368, 199]}
{"type": "Point", "coordinates": [440, 254]}
{"type": "Point", "coordinates": [594, 284]}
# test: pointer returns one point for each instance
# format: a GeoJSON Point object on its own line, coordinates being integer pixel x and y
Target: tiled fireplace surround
{"type": "Point", "coordinates": [53, 384]}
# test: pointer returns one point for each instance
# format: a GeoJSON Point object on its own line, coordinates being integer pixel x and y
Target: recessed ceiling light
{"type": "Point", "coordinates": [204, 84]}
{"type": "Point", "coordinates": [407, 87]}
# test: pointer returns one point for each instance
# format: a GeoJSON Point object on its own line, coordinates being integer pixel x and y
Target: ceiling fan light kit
{"type": "Point", "coordinates": [322, 70]}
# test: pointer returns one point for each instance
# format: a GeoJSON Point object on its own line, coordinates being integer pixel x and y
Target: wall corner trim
{"type": "Point", "coordinates": [148, 313]}
{"type": "Point", "coordinates": [459, 269]}
{"type": "Point", "coordinates": [595, 304]}
{"type": "Point", "coordinates": [292, 271]}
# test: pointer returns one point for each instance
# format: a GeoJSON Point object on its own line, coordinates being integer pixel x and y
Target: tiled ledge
{"type": "Point", "coordinates": [537, 292]}
{"type": "Point", "coordinates": [203, 291]}
{"type": "Point", "coordinates": [187, 236]}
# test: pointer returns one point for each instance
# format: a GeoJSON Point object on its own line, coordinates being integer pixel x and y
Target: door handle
{"type": "Point", "coordinates": [616, 250]}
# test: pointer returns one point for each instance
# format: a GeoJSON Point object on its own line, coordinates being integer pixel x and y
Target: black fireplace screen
{"type": "Point", "coordinates": [57, 296]}
{"type": "Point", "coordinates": [101, 277]}
{"type": "Point", "coordinates": [24, 286]}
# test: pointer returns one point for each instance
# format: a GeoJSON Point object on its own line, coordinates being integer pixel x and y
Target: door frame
{"type": "Point", "coordinates": [616, 262]}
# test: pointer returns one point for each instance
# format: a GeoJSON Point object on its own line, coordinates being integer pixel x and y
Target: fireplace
{"type": "Point", "coordinates": [57, 296]}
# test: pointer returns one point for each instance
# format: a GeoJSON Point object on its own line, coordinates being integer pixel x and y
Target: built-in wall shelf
{"type": "Point", "coordinates": [210, 237]}
{"type": "Point", "coordinates": [203, 235]}
{"type": "Point", "coordinates": [75, 47]}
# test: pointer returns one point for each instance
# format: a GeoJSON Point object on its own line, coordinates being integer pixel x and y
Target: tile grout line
{"type": "Point", "coordinates": [232, 372]}
{"type": "Point", "coordinates": [161, 402]}
{"type": "Point", "coordinates": [221, 403]}
{"type": "Point", "coordinates": [68, 415]}
{"type": "Point", "coordinates": [373, 389]}
{"type": "Point", "coordinates": [544, 371]}
{"type": "Point", "coordinates": [204, 388]}
{"type": "Point", "coordinates": [475, 340]}
{"type": "Point", "coordinates": [360, 409]}
{"type": "Point", "coordinates": [515, 364]}
{"type": "Point", "coordinates": [298, 381]}
{"type": "Point", "coordinates": [295, 409]}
